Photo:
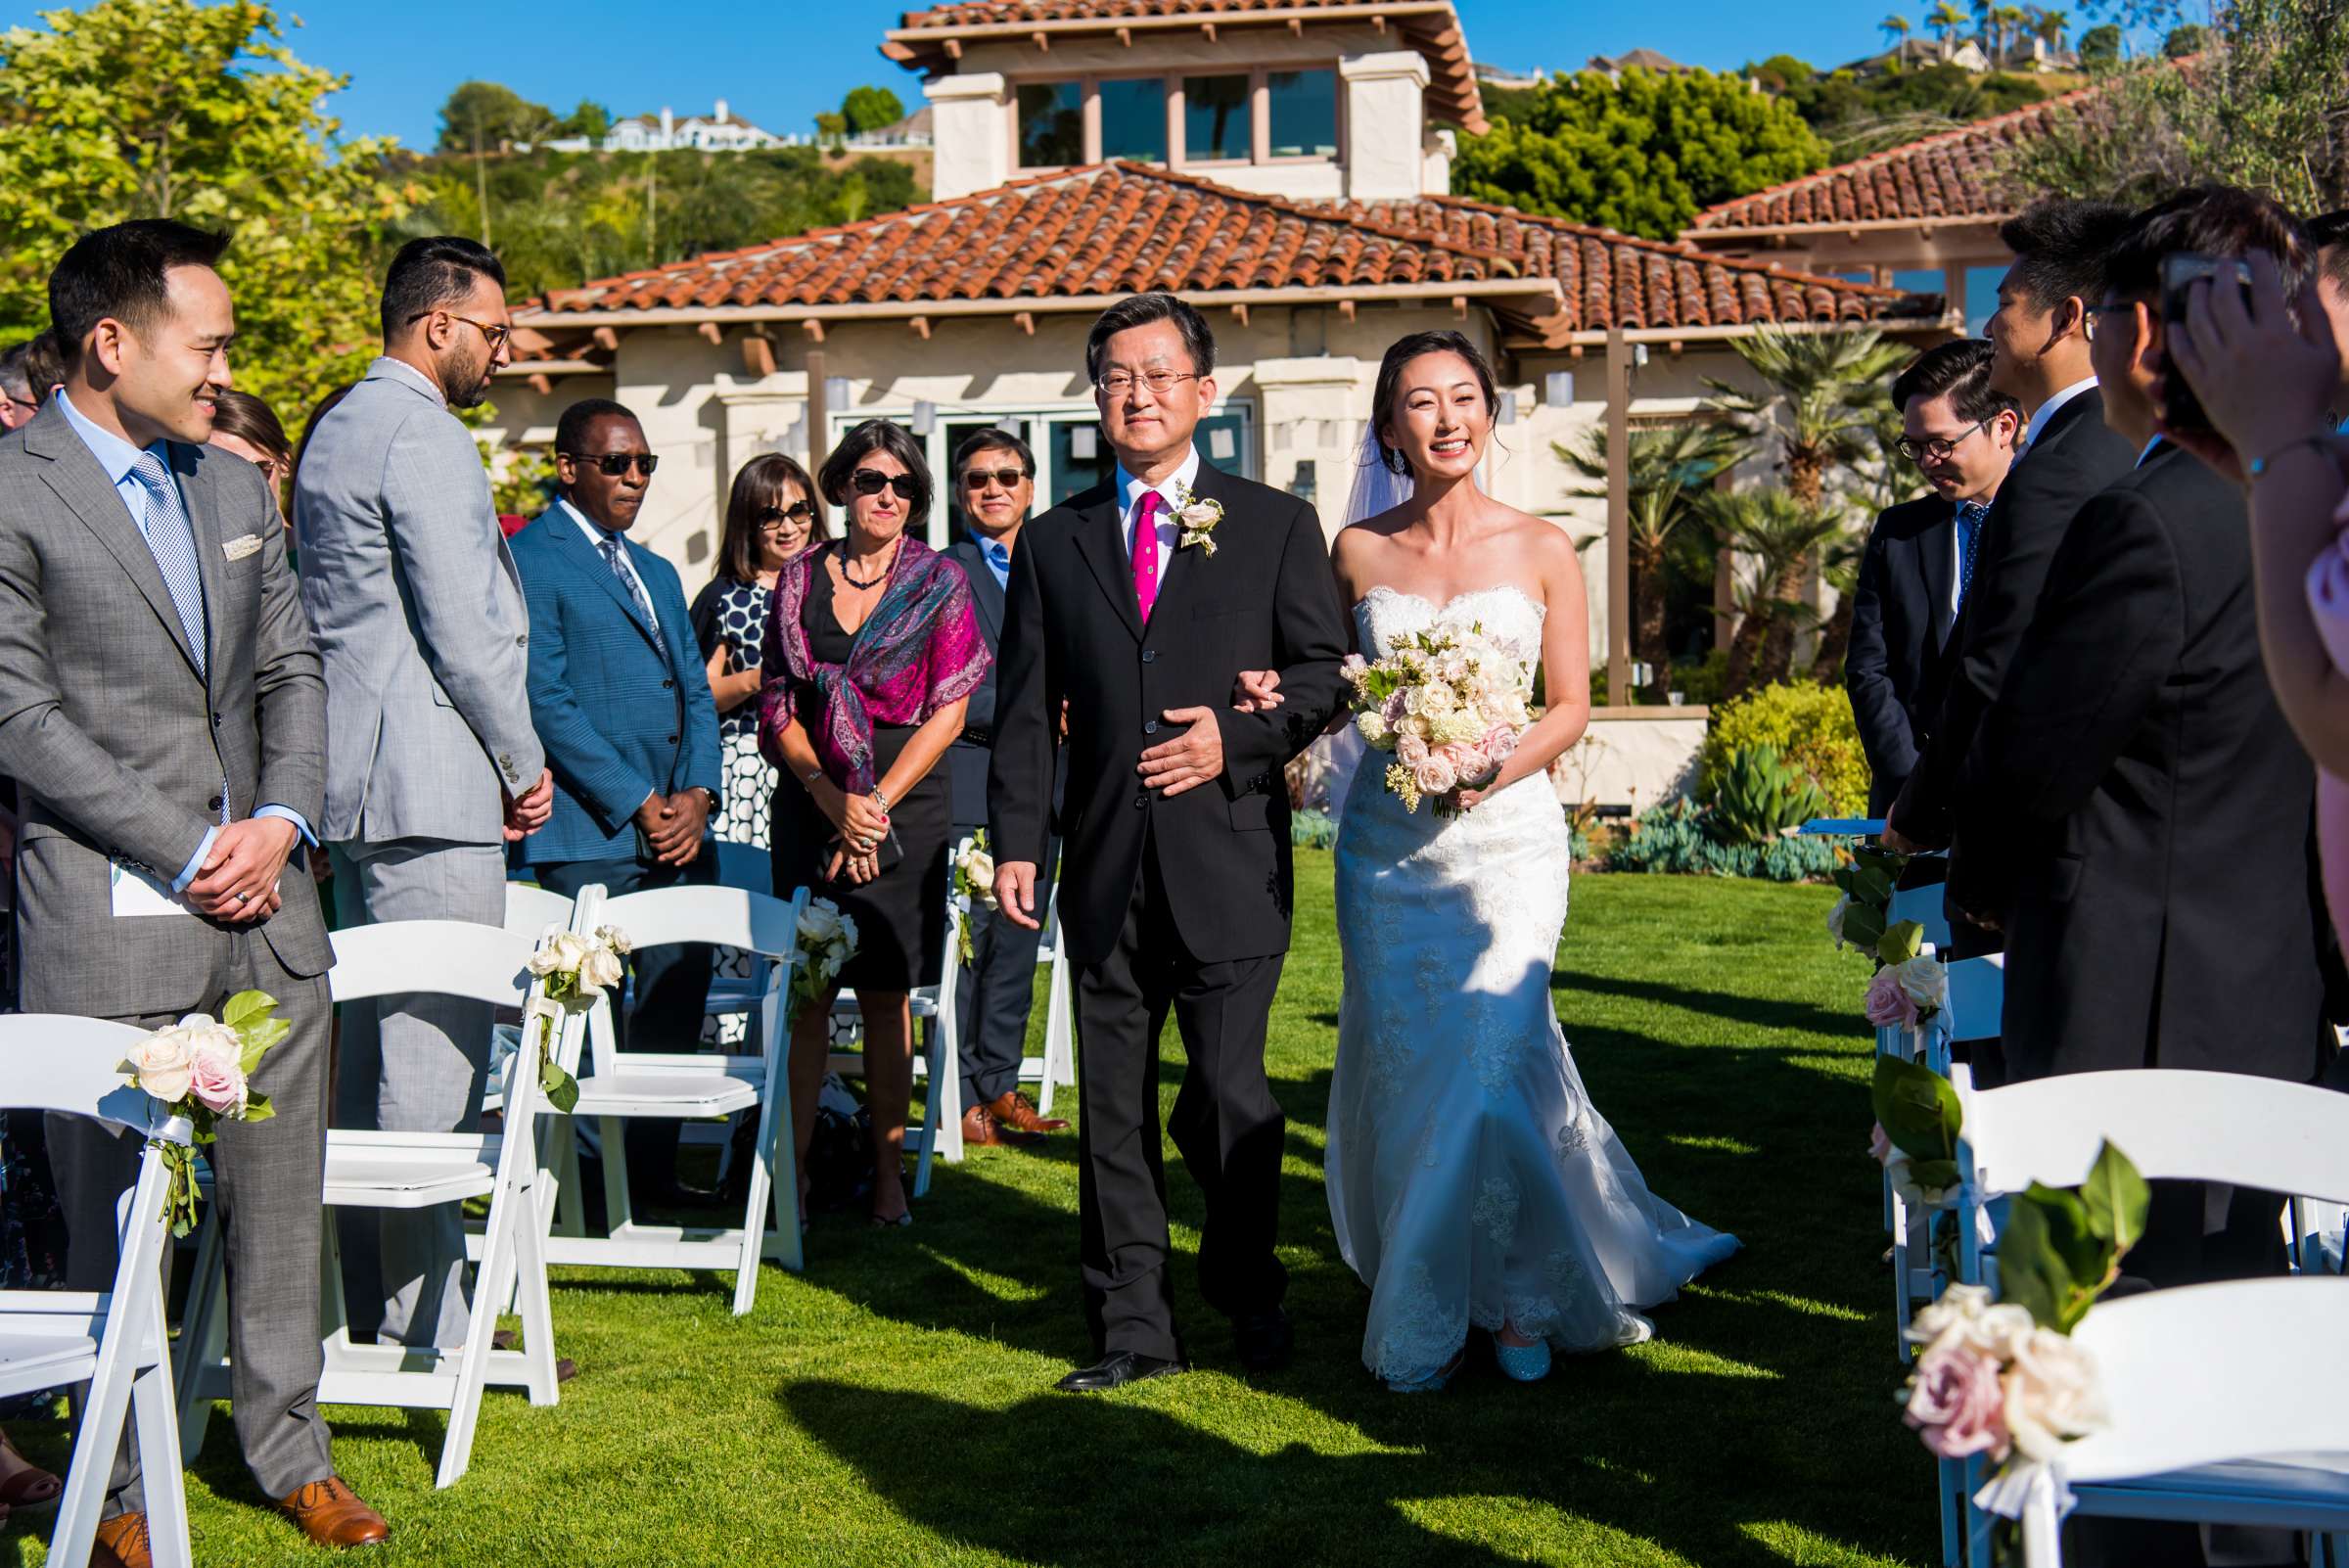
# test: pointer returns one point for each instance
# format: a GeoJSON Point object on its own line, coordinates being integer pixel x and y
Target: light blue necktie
{"type": "Point", "coordinates": [627, 579]}
{"type": "Point", "coordinates": [172, 542]}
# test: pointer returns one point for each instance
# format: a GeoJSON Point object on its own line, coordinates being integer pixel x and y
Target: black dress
{"type": "Point", "coordinates": [901, 915]}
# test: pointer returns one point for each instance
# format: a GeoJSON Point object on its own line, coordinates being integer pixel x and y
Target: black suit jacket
{"type": "Point", "coordinates": [2075, 456]}
{"type": "Point", "coordinates": [1267, 599]}
{"type": "Point", "coordinates": [966, 764]}
{"type": "Point", "coordinates": [1901, 620]}
{"type": "Point", "coordinates": [2161, 810]}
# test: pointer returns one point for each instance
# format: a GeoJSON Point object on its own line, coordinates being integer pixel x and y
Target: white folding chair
{"type": "Point", "coordinates": [1926, 907]}
{"type": "Point", "coordinates": [1057, 1067]}
{"type": "Point", "coordinates": [114, 1340]}
{"type": "Point", "coordinates": [530, 910]}
{"type": "Point", "coordinates": [416, 1171]}
{"type": "Point", "coordinates": [940, 1058]}
{"type": "Point", "coordinates": [1977, 998]}
{"type": "Point", "coordinates": [2229, 1404]}
{"type": "Point", "coordinates": [690, 1084]}
{"type": "Point", "coordinates": [2172, 1123]}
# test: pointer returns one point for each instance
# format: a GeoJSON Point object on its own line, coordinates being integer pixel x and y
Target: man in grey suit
{"type": "Point", "coordinates": [161, 712]}
{"type": "Point", "coordinates": [432, 763]}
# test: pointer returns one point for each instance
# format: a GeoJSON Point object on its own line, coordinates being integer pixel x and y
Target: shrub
{"type": "Point", "coordinates": [1808, 726]}
{"type": "Point", "coordinates": [1679, 838]}
{"type": "Point", "coordinates": [1703, 680]}
{"type": "Point", "coordinates": [1758, 795]}
{"type": "Point", "coordinates": [1309, 829]}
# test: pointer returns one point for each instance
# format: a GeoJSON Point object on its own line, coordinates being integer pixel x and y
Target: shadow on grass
{"type": "Point", "coordinates": [1759, 1012]}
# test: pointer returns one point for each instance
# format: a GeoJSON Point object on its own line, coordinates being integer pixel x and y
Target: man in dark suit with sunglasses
{"type": "Point", "coordinates": [621, 698]}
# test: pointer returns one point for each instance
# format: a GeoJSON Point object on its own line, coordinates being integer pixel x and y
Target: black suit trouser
{"type": "Point", "coordinates": [1225, 1124]}
{"type": "Point", "coordinates": [995, 992]}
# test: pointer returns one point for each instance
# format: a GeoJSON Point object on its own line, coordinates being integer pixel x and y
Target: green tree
{"type": "Point", "coordinates": [1642, 156]}
{"type": "Point", "coordinates": [487, 117]}
{"type": "Point", "coordinates": [2186, 38]}
{"type": "Point", "coordinates": [2100, 48]}
{"type": "Point", "coordinates": [1945, 19]}
{"type": "Point", "coordinates": [591, 119]}
{"type": "Point", "coordinates": [1895, 29]}
{"type": "Point", "coordinates": [868, 109]}
{"type": "Point", "coordinates": [135, 109]}
{"type": "Point", "coordinates": [1780, 535]}
{"type": "Point", "coordinates": [2052, 26]}
{"type": "Point", "coordinates": [831, 129]}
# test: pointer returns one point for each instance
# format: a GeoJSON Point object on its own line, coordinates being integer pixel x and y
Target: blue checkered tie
{"type": "Point", "coordinates": [1970, 535]}
{"type": "Point", "coordinates": [172, 542]}
{"type": "Point", "coordinates": [627, 579]}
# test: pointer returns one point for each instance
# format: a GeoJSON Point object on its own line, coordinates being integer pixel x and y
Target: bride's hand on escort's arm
{"type": "Point", "coordinates": [1015, 892]}
{"type": "Point", "coordinates": [1256, 691]}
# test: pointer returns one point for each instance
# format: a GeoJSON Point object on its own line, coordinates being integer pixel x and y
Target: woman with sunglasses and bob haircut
{"type": "Point", "coordinates": [871, 652]}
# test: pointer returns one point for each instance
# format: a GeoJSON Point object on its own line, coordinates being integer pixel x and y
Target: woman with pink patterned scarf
{"type": "Point", "coordinates": [873, 649]}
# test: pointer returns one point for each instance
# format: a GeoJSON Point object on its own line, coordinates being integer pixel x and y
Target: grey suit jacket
{"type": "Point", "coordinates": [419, 616]}
{"type": "Point", "coordinates": [119, 747]}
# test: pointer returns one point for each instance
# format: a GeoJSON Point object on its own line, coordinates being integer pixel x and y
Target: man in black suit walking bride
{"type": "Point", "coordinates": [1136, 604]}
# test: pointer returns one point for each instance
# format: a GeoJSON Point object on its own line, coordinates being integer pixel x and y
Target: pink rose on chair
{"type": "Point", "coordinates": [1956, 1402]}
{"type": "Point", "coordinates": [219, 1081]}
{"type": "Point", "coordinates": [1888, 1004]}
{"type": "Point", "coordinates": [1879, 1144]}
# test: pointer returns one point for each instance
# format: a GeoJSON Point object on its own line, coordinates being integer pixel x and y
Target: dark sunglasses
{"type": "Point", "coordinates": [868, 482]}
{"type": "Point", "coordinates": [616, 464]}
{"type": "Point", "coordinates": [1009, 478]}
{"type": "Point", "coordinates": [795, 512]}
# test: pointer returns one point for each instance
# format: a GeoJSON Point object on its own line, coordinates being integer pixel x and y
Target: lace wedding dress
{"type": "Point", "coordinates": [1471, 1180]}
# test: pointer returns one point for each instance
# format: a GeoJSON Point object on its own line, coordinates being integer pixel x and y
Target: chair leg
{"type": "Point", "coordinates": [156, 1424]}
{"type": "Point", "coordinates": [1058, 1057]}
{"type": "Point", "coordinates": [535, 1305]}
{"type": "Point", "coordinates": [945, 1083]}
{"type": "Point", "coordinates": [472, 1362]}
{"type": "Point", "coordinates": [779, 1167]}
{"type": "Point", "coordinates": [570, 1203]}
{"type": "Point", "coordinates": [612, 1133]}
{"type": "Point", "coordinates": [1900, 1305]}
{"type": "Point", "coordinates": [921, 1170]}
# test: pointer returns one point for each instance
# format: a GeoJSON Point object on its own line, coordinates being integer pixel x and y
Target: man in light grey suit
{"type": "Point", "coordinates": [161, 712]}
{"type": "Point", "coordinates": [432, 763]}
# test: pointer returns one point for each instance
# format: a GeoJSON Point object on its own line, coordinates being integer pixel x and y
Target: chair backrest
{"type": "Point", "coordinates": [434, 958]}
{"type": "Point", "coordinates": [530, 910]}
{"type": "Point", "coordinates": [60, 1062]}
{"type": "Point", "coordinates": [746, 867]}
{"type": "Point", "coordinates": [730, 917]}
{"type": "Point", "coordinates": [1924, 905]}
{"type": "Point", "coordinates": [1977, 997]}
{"type": "Point", "coordinates": [2203, 1374]}
{"type": "Point", "coordinates": [2174, 1124]}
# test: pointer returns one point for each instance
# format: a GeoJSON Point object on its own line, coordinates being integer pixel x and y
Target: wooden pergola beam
{"type": "Point", "coordinates": [814, 330]}
{"type": "Point", "coordinates": [759, 354]}
{"type": "Point", "coordinates": [921, 325]}
{"type": "Point", "coordinates": [712, 333]}
{"type": "Point", "coordinates": [1026, 320]}
{"type": "Point", "coordinates": [606, 338]}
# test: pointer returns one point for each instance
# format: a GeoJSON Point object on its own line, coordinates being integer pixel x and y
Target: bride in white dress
{"type": "Point", "coordinates": [1471, 1182]}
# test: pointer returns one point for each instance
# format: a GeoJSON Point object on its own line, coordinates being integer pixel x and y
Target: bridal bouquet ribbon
{"type": "Point", "coordinates": [827, 941]}
{"type": "Point", "coordinates": [577, 969]}
{"type": "Point", "coordinates": [974, 889]}
{"type": "Point", "coordinates": [1450, 706]}
{"type": "Point", "coordinates": [202, 1068]}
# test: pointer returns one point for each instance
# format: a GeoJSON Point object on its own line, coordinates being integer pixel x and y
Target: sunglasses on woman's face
{"type": "Point", "coordinates": [615, 464]}
{"type": "Point", "coordinates": [977, 478]}
{"type": "Point", "coordinates": [868, 482]}
{"type": "Point", "coordinates": [774, 517]}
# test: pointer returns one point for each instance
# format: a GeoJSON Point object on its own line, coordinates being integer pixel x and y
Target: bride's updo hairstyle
{"type": "Point", "coordinates": [1390, 371]}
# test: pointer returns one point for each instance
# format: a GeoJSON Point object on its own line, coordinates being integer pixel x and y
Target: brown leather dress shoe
{"type": "Point", "coordinates": [1015, 1109]}
{"type": "Point", "coordinates": [122, 1540]}
{"type": "Point", "coordinates": [331, 1514]}
{"type": "Point", "coordinates": [980, 1127]}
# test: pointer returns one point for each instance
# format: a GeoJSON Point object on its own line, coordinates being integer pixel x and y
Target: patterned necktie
{"type": "Point", "coordinates": [1970, 535]}
{"type": "Point", "coordinates": [172, 542]}
{"type": "Point", "coordinates": [1145, 552]}
{"type": "Point", "coordinates": [627, 579]}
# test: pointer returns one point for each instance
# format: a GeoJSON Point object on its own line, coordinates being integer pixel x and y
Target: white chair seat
{"type": "Point", "coordinates": [32, 1362]}
{"type": "Point", "coordinates": [369, 1181]}
{"type": "Point", "coordinates": [2303, 1491]}
{"type": "Point", "coordinates": [680, 1094]}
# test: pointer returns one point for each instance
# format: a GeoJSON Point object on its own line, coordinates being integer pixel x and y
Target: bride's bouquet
{"type": "Point", "coordinates": [1449, 705]}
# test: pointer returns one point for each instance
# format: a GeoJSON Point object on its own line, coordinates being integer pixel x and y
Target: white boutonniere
{"type": "Point", "coordinates": [1199, 515]}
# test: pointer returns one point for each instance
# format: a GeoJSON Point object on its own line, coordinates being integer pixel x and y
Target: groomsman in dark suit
{"type": "Point", "coordinates": [994, 478]}
{"type": "Point", "coordinates": [1959, 431]}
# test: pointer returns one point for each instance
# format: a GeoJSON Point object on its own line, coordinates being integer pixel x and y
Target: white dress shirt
{"type": "Point", "coordinates": [595, 538]}
{"type": "Point", "coordinates": [2047, 410]}
{"type": "Point", "coordinates": [1171, 490]}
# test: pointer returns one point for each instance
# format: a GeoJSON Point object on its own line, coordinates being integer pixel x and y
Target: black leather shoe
{"type": "Point", "coordinates": [1116, 1370]}
{"type": "Point", "coordinates": [1265, 1339]}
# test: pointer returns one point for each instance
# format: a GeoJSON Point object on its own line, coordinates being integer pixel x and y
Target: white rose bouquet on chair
{"type": "Point", "coordinates": [974, 888]}
{"type": "Point", "coordinates": [827, 941]}
{"type": "Point", "coordinates": [576, 970]}
{"type": "Point", "coordinates": [202, 1068]}
{"type": "Point", "coordinates": [1448, 705]}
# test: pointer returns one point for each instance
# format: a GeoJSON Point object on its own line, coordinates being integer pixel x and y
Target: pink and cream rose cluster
{"type": "Point", "coordinates": [198, 1058]}
{"type": "Point", "coordinates": [1991, 1382]}
{"type": "Point", "coordinates": [1448, 705]}
{"type": "Point", "coordinates": [1904, 994]}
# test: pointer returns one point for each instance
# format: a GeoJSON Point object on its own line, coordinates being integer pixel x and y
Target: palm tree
{"type": "Point", "coordinates": [1945, 19]}
{"type": "Point", "coordinates": [2053, 26]}
{"type": "Point", "coordinates": [1895, 29]}
{"type": "Point", "coordinates": [2008, 22]}
{"type": "Point", "coordinates": [1839, 568]}
{"type": "Point", "coordinates": [1670, 466]}
{"type": "Point", "coordinates": [1780, 533]}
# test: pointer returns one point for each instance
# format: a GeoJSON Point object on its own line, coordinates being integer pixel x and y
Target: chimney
{"type": "Point", "coordinates": [668, 124]}
{"type": "Point", "coordinates": [721, 112]}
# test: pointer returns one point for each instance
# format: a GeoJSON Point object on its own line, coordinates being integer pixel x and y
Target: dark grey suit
{"type": "Point", "coordinates": [119, 747]}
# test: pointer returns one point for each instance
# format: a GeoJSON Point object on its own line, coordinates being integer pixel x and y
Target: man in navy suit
{"type": "Point", "coordinates": [621, 704]}
{"type": "Point", "coordinates": [994, 480]}
{"type": "Point", "coordinates": [1959, 432]}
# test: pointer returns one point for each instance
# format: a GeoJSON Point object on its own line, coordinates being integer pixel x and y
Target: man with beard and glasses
{"type": "Point", "coordinates": [433, 765]}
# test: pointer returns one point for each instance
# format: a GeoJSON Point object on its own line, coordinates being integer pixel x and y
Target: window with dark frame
{"type": "Point", "coordinates": [1133, 118]}
{"type": "Point", "coordinates": [1301, 113]}
{"type": "Point", "coordinates": [1218, 125]}
{"type": "Point", "coordinates": [1051, 124]}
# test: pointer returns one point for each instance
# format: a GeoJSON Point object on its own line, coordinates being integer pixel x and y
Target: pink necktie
{"type": "Point", "coordinates": [1145, 552]}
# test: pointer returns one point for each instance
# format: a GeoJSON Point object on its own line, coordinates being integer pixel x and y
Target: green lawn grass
{"type": "Point", "coordinates": [892, 1403]}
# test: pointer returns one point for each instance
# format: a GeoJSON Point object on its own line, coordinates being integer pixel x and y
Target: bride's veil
{"type": "Point", "coordinates": [1376, 487]}
{"type": "Point", "coordinates": [1332, 760]}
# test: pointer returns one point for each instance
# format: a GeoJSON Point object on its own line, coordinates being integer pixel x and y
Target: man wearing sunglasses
{"type": "Point", "coordinates": [994, 488]}
{"type": "Point", "coordinates": [622, 701]}
{"type": "Point", "coordinates": [19, 400]}
{"type": "Point", "coordinates": [431, 760]}
{"type": "Point", "coordinates": [1959, 432]}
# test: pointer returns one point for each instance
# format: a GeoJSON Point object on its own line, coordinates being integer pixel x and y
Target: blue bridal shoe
{"type": "Point", "coordinates": [1525, 1363]}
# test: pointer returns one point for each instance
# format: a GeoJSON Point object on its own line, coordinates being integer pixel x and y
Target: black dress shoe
{"type": "Point", "coordinates": [1265, 1339]}
{"type": "Point", "coordinates": [1116, 1370]}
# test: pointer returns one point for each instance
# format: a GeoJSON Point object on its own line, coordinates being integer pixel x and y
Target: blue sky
{"type": "Point", "coordinates": [778, 64]}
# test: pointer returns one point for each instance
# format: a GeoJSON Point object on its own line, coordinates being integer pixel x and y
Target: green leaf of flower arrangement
{"type": "Point", "coordinates": [1918, 1111]}
{"type": "Point", "coordinates": [1900, 941]}
{"type": "Point", "coordinates": [2115, 1198]}
{"type": "Point", "coordinates": [246, 1008]}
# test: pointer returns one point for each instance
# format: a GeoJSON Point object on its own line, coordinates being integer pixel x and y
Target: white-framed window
{"type": "Point", "coordinates": [1195, 120]}
{"type": "Point", "coordinates": [1071, 454]}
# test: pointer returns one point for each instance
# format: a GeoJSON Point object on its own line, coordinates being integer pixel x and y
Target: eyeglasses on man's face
{"type": "Point", "coordinates": [871, 480]}
{"type": "Point", "coordinates": [1937, 449]}
{"type": "Point", "coordinates": [773, 519]}
{"type": "Point", "coordinates": [614, 464]}
{"type": "Point", "coordinates": [1118, 383]}
{"type": "Point", "coordinates": [498, 335]}
{"type": "Point", "coordinates": [979, 479]}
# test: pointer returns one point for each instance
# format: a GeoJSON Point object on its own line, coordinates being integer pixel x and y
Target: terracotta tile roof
{"type": "Point", "coordinates": [1948, 175]}
{"type": "Point", "coordinates": [930, 39]}
{"type": "Point", "coordinates": [1115, 228]}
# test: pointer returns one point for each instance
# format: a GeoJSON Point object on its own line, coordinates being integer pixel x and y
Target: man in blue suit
{"type": "Point", "coordinates": [621, 704]}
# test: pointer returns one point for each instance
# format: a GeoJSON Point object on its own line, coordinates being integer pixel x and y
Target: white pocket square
{"type": "Point", "coordinates": [239, 549]}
